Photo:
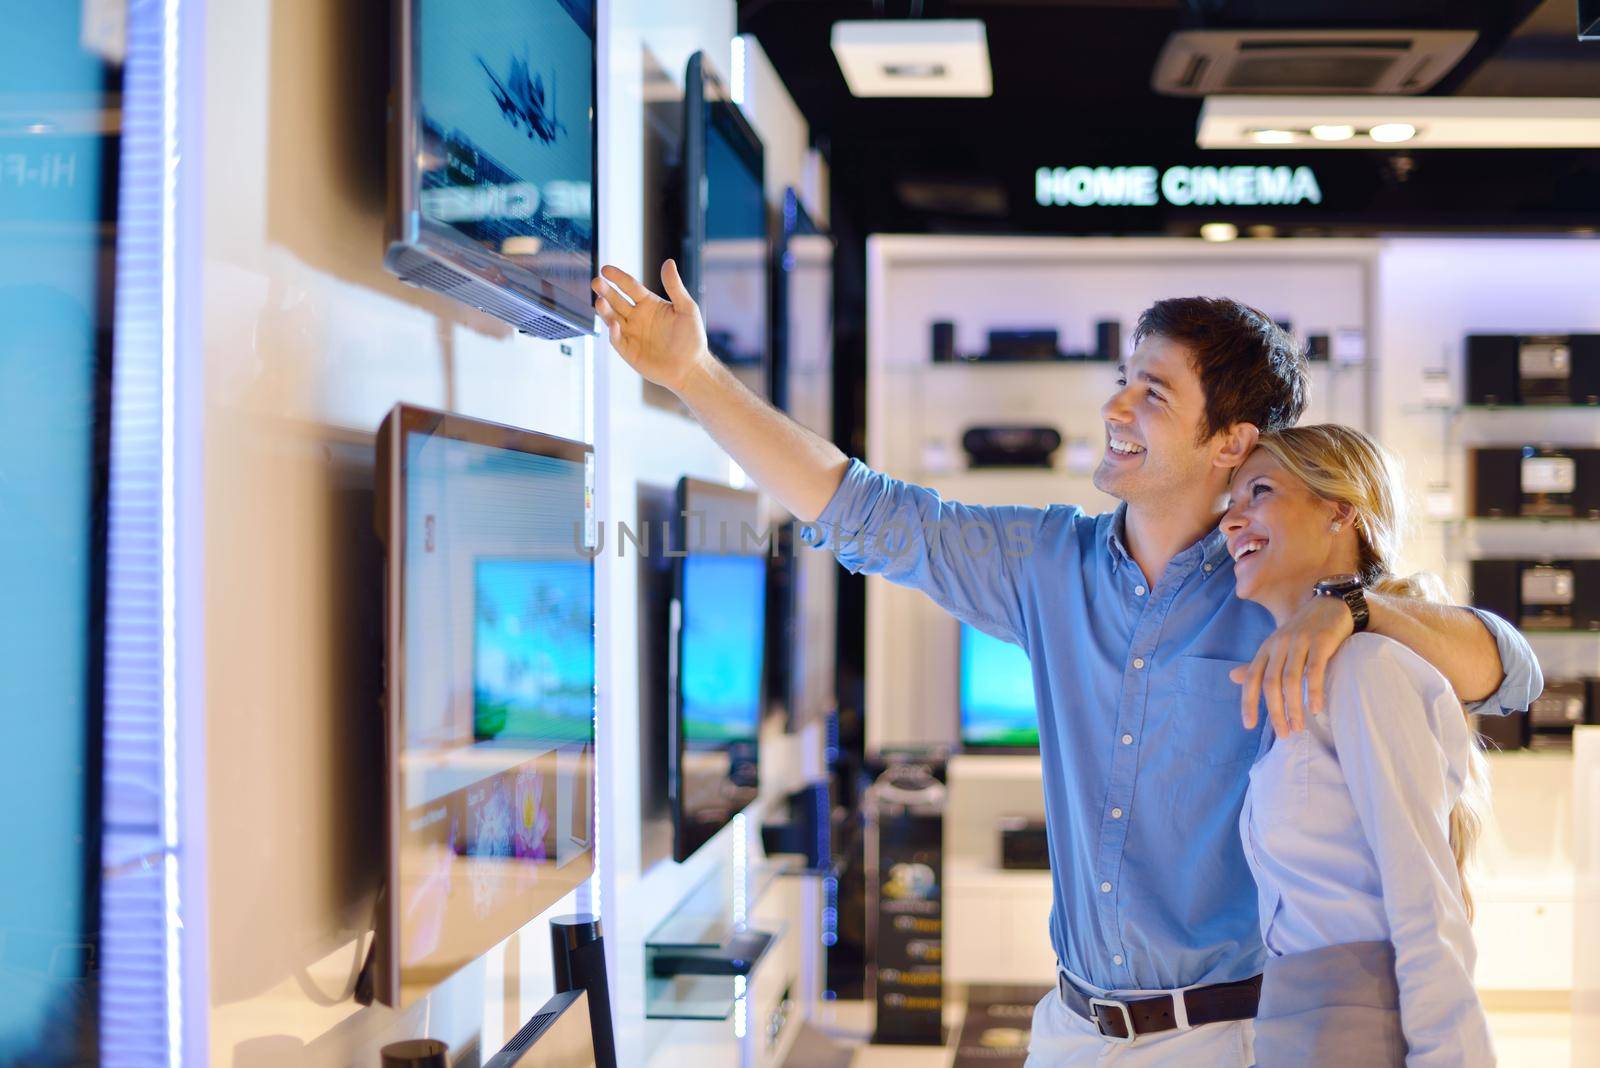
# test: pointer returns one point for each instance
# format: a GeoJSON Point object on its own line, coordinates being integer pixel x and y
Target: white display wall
{"type": "Point", "coordinates": [307, 342]}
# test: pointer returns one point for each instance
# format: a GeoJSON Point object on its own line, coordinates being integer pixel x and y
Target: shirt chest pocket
{"type": "Point", "coordinates": [1206, 712]}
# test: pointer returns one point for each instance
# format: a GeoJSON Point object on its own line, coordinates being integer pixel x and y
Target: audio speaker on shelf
{"type": "Point", "coordinates": [944, 342]}
{"type": "Point", "coordinates": [1010, 446]}
{"type": "Point", "coordinates": [1492, 369]}
{"type": "Point", "coordinates": [1108, 340]}
{"type": "Point", "coordinates": [1504, 732]}
{"type": "Point", "coordinates": [1585, 383]}
{"type": "Point", "coordinates": [1497, 482]}
{"type": "Point", "coordinates": [1496, 587]}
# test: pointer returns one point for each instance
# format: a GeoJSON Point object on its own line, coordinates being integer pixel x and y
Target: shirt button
{"type": "Point", "coordinates": [1116, 813]}
{"type": "Point", "coordinates": [1117, 959]}
{"type": "Point", "coordinates": [1138, 663]}
{"type": "Point", "coordinates": [1138, 591]}
{"type": "Point", "coordinates": [1105, 888]}
{"type": "Point", "coordinates": [1209, 566]}
{"type": "Point", "coordinates": [1127, 739]}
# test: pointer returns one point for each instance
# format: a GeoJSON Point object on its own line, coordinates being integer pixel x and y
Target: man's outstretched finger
{"type": "Point", "coordinates": [672, 282]}
{"type": "Point", "coordinates": [626, 282]}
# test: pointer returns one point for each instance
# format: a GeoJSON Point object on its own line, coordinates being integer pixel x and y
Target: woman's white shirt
{"type": "Point", "coordinates": [1346, 829]}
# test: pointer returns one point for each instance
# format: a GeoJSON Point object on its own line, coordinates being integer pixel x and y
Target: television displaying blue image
{"type": "Point", "coordinates": [723, 649]}
{"type": "Point", "coordinates": [997, 706]}
{"type": "Point", "coordinates": [533, 677]}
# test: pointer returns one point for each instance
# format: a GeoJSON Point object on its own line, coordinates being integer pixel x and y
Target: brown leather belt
{"type": "Point", "coordinates": [1126, 1020]}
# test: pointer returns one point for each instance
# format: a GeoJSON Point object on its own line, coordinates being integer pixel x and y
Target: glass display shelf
{"type": "Point", "coordinates": [1465, 409]}
{"type": "Point", "coordinates": [710, 919]}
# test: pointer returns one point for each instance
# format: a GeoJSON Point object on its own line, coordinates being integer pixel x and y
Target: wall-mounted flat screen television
{"type": "Point", "coordinates": [717, 660]}
{"type": "Point", "coordinates": [492, 146]}
{"type": "Point", "coordinates": [489, 712]}
{"type": "Point", "coordinates": [996, 688]}
{"type": "Point", "coordinates": [725, 248]}
{"type": "Point", "coordinates": [804, 593]}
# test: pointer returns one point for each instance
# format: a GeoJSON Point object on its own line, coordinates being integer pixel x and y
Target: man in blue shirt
{"type": "Point", "coordinates": [1148, 670]}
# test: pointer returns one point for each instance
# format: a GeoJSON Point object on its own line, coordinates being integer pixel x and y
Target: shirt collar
{"type": "Point", "coordinates": [1211, 549]}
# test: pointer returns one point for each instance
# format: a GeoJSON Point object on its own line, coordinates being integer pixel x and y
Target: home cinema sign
{"type": "Point", "coordinates": [1092, 187]}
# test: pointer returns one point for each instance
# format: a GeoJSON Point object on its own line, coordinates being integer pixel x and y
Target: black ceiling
{"type": "Point", "coordinates": [1072, 85]}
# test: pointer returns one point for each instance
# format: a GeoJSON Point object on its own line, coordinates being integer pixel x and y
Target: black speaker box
{"type": "Point", "coordinates": [1586, 595]}
{"type": "Point", "coordinates": [1108, 340]}
{"type": "Point", "coordinates": [1010, 446]}
{"type": "Point", "coordinates": [944, 342]}
{"type": "Point", "coordinates": [1037, 344]}
{"type": "Point", "coordinates": [1504, 732]}
{"type": "Point", "coordinates": [1586, 369]}
{"type": "Point", "coordinates": [1024, 845]}
{"type": "Point", "coordinates": [1497, 587]}
{"type": "Point", "coordinates": [1586, 494]}
{"type": "Point", "coordinates": [1492, 369]}
{"type": "Point", "coordinates": [1497, 482]}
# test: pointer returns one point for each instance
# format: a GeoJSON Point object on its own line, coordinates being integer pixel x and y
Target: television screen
{"type": "Point", "coordinates": [490, 711]}
{"type": "Point", "coordinates": [727, 249]}
{"type": "Point", "coordinates": [718, 687]}
{"type": "Point", "coordinates": [496, 158]}
{"type": "Point", "coordinates": [997, 709]}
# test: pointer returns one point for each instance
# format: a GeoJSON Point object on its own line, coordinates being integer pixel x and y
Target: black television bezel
{"type": "Point", "coordinates": [685, 840]}
{"type": "Point", "coordinates": [402, 420]}
{"type": "Point", "coordinates": [706, 104]}
{"type": "Point", "coordinates": [784, 605]}
{"type": "Point", "coordinates": [981, 748]}
{"type": "Point", "coordinates": [408, 233]}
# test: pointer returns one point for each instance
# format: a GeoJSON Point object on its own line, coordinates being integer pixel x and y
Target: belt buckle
{"type": "Point", "coordinates": [1095, 1004]}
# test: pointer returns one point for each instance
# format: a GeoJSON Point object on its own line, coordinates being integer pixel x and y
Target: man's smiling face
{"type": "Point", "coordinates": [1153, 426]}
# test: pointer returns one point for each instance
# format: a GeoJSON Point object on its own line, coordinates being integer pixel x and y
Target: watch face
{"type": "Point", "coordinates": [1334, 582]}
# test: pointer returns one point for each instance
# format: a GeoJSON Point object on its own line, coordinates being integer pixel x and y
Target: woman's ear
{"type": "Point", "coordinates": [1237, 443]}
{"type": "Point", "coordinates": [1342, 512]}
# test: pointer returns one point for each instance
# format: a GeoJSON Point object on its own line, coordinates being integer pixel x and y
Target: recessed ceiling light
{"type": "Point", "coordinates": [1389, 133]}
{"type": "Point", "coordinates": [1219, 231]}
{"type": "Point", "coordinates": [1262, 231]}
{"type": "Point", "coordinates": [914, 57]}
{"type": "Point", "coordinates": [1429, 121]}
{"type": "Point", "coordinates": [1333, 131]}
{"type": "Point", "coordinates": [1273, 137]}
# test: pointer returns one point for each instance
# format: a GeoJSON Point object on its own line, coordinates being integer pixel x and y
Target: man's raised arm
{"type": "Point", "coordinates": [665, 341]}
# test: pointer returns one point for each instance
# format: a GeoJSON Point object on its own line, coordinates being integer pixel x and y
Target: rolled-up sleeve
{"type": "Point", "coordinates": [1523, 681]}
{"type": "Point", "coordinates": [966, 558]}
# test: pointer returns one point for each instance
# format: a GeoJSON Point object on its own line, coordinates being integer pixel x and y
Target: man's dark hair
{"type": "Point", "coordinates": [1249, 367]}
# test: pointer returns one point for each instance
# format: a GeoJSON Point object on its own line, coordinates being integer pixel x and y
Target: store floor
{"type": "Point", "coordinates": [1523, 1039]}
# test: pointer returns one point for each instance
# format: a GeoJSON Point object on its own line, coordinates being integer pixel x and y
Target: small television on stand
{"type": "Point", "coordinates": [726, 246]}
{"type": "Point", "coordinates": [998, 714]}
{"type": "Point", "coordinates": [492, 158]}
{"type": "Point", "coordinates": [489, 688]}
{"type": "Point", "coordinates": [716, 660]}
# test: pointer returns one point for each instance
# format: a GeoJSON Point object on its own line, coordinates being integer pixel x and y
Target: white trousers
{"type": "Point", "coordinates": [1063, 1039]}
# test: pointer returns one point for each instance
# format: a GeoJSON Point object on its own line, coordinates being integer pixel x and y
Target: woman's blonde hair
{"type": "Point", "coordinates": [1345, 466]}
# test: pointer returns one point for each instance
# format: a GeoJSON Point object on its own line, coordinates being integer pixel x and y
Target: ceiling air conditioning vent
{"type": "Point", "coordinates": [1307, 62]}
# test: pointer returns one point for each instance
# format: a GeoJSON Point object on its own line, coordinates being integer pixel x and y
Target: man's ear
{"type": "Point", "coordinates": [1235, 444]}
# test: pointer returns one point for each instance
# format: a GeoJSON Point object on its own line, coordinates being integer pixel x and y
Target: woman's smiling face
{"type": "Point", "coordinates": [1280, 534]}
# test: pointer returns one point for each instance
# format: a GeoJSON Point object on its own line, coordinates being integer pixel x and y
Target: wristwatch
{"type": "Point", "coordinates": [1348, 589]}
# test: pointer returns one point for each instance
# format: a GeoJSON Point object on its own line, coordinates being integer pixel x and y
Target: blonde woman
{"type": "Point", "coordinates": [1356, 828]}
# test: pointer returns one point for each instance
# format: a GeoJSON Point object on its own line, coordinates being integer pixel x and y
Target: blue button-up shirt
{"type": "Point", "coordinates": [1145, 762]}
